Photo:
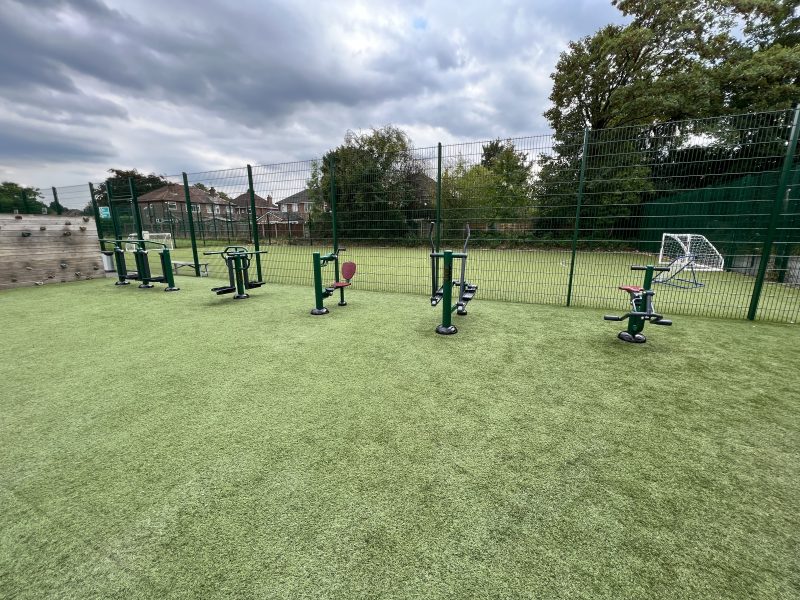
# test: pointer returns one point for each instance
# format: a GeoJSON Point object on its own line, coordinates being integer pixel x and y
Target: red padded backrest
{"type": "Point", "coordinates": [348, 270]}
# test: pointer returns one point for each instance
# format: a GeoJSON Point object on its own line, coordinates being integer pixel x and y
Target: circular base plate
{"type": "Point", "coordinates": [342, 303]}
{"type": "Point", "coordinates": [319, 311]}
{"type": "Point", "coordinates": [241, 296]}
{"type": "Point", "coordinates": [441, 329]}
{"type": "Point", "coordinates": [169, 289]}
{"type": "Point", "coordinates": [633, 339]}
{"type": "Point", "coordinates": [145, 286]}
{"type": "Point", "coordinates": [122, 283]}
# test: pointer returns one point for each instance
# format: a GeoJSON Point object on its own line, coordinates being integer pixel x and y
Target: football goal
{"type": "Point", "coordinates": [686, 254]}
{"type": "Point", "coordinates": [161, 238]}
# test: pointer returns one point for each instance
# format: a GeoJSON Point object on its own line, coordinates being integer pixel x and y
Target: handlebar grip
{"type": "Point", "coordinates": [612, 318]}
{"type": "Point", "coordinates": [660, 268]}
{"type": "Point", "coordinates": [638, 268]}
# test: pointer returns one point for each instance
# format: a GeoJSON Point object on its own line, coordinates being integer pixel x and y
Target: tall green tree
{"type": "Point", "coordinates": [11, 198]}
{"type": "Point", "coordinates": [381, 189]}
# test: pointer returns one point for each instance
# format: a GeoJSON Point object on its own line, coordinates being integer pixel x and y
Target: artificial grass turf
{"type": "Point", "coordinates": [186, 445]}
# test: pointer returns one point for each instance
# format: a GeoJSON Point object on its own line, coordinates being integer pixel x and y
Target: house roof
{"type": "Point", "coordinates": [301, 196]}
{"type": "Point", "coordinates": [173, 192]}
{"type": "Point", "coordinates": [243, 201]}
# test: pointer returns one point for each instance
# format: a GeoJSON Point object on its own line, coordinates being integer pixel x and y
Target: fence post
{"type": "Point", "coordinates": [190, 218]}
{"type": "Point", "coordinates": [254, 219]}
{"type": "Point", "coordinates": [581, 183]}
{"type": "Point", "coordinates": [24, 198]}
{"type": "Point", "coordinates": [783, 183]}
{"type": "Point", "coordinates": [438, 196]}
{"type": "Point", "coordinates": [334, 224]}
{"type": "Point", "coordinates": [137, 218]}
{"type": "Point", "coordinates": [55, 199]}
{"type": "Point", "coordinates": [114, 216]}
{"type": "Point", "coordinates": [96, 211]}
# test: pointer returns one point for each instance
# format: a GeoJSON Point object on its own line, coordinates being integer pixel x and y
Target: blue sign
{"type": "Point", "coordinates": [105, 212]}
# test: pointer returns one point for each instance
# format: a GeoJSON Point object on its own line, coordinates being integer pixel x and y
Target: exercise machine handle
{"type": "Point", "coordinates": [430, 236]}
{"type": "Point", "coordinates": [644, 268]}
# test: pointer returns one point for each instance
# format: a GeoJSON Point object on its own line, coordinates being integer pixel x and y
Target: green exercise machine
{"type": "Point", "coordinates": [340, 280]}
{"type": "Point", "coordinates": [140, 255]}
{"type": "Point", "coordinates": [238, 260]}
{"type": "Point", "coordinates": [642, 309]}
{"type": "Point", "coordinates": [444, 294]}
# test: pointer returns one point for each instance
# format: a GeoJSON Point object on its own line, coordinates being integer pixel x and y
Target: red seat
{"type": "Point", "coordinates": [348, 270]}
{"type": "Point", "coordinates": [630, 288]}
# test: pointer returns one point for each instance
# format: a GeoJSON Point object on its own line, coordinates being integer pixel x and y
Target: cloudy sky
{"type": "Point", "coordinates": [172, 85]}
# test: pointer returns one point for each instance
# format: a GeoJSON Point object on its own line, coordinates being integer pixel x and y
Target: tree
{"type": "Point", "coordinates": [120, 186]}
{"type": "Point", "coordinates": [380, 187]}
{"type": "Point", "coordinates": [13, 196]}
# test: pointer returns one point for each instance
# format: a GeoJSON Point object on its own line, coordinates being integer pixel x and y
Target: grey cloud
{"type": "Point", "coordinates": [23, 143]}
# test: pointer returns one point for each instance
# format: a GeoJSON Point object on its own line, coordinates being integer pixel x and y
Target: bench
{"type": "Point", "coordinates": [177, 264]}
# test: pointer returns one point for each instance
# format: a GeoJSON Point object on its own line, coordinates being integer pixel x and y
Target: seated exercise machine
{"type": "Point", "coordinates": [237, 259]}
{"type": "Point", "coordinates": [641, 305]}
{"type": "Point", "coordinates": [444, 293]}
{"type": "Point", "coordinates": [320, 292]}
{"type": "Point", "coordinates": [142, 272]}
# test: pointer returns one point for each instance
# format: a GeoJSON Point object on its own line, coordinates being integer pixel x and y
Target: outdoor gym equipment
{"type": "Point", "coordinates": [642, 307]}
{"type": "Point", "coordinates": [237, 259]}
{"type": "Point", "coordinates": [444, 293]}
{"type": "Point", "coordinates": [320, 292]}
{"type": "Point", "coordinates": [142, 272]}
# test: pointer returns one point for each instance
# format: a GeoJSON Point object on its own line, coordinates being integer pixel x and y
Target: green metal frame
{"type": "Point", "coordinates": [142, 272]}
{"type": "Point", "coordinates": [321, 260]}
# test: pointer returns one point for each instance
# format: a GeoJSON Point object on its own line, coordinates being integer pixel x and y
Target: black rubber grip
{"type": "Point", "coordinates": [660, 268]}
{"type": "Point", "coordinates": [612, 318]}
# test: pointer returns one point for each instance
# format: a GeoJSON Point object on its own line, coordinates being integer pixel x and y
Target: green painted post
{"type": "Point", "coordinates": [114, 216]}
{"type": "Point", "coordinates": [332, 195]}
{"type": "Point", "coordinates": [438, 197]}
{"type": "Point", "coordinates": [447, 294]}
{"type": "Point", "coordinates": [783, 184]}
{"type": "Point", "coordinates": [137, 218]}
{"type": "Point", "coordinates": [166, 267]}
{"type": "Point", "coordinates": [24, 198]}
{"type": "Point", "coordinates": [238, 270]}
{"type": "Point", "coordinates": [319, 306]}
{"type": "Point", "coordinates": [188, 198]}
{"type": "Point", "coordinates": [254, 219]}
{"type": "Point", "coordinates": [55, 200]}
{"type": "Point", "coordinates": [581, 183]}
{"type": "Point", "coordinates": [97, 219]}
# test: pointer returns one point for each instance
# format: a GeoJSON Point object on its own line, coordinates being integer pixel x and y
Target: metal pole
{"type": "Point", "coordinates": [24, 198]}
{"type": "Point", "coordinates": [578, 213]}
{"type": "Point", "coordinates": [188, 199]}
{"type": "Point", "coordinates": [438, 197]}
{"type": "Point", "coordinates": [114, 215]}
{"type": "Point", "coordinates": [57, 203]}
{"type": "Point", "coordinates": [254, 219]}
{"type": "Point", "coordinates": [319, 306]}
{"type": "Point", "coordinates": [137, 219]}
{"type": "Point", "coordinates": [783, 183]}
{"type": "Point", "coordinates": [334, 224]}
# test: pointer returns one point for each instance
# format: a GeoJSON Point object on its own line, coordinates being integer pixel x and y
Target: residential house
{"type": "Point", "coordinates": [241, 205]}
{"type": "Point", "coordinates": [298, 205]}
{"type": "Point", "coordinates": [168, 203]}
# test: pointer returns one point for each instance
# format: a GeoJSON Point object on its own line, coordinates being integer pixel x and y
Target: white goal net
{"type": "Point", "coordinates": [161, 238]}
{"type": "Point", "coordinates": [682, 250]}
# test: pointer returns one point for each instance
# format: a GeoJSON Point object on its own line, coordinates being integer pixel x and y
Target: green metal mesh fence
{"type": "Point", "coordinates": [552, 219]}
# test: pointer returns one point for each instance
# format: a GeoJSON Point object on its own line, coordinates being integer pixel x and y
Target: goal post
{"type": "Point", "coordinates": [686, 254]}
{"type": "Point", "coordinates": [162, 238]}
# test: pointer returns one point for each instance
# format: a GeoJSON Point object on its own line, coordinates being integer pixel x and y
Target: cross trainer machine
{"type": "Point", "coordinates": [642, 309]}
{"type": "Point", "coordinates": [444, 293]}
{"type": "Point", "coordinates": [320, 292]}
{"type": "Point", "coordinates": [237, 259]}
{"type": "Point", "coordinates": [142, 272]}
